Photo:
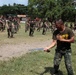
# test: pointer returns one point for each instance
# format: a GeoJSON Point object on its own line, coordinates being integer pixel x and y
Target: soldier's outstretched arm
{"type": "Point", "coordinates": [50, 46]}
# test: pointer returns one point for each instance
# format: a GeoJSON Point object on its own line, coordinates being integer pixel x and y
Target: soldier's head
{"type": "Point", "coordinates": [59, 24]}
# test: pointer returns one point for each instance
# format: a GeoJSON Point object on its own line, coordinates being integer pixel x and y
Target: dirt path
{"type": "Point", "coordinates": [8, 51]}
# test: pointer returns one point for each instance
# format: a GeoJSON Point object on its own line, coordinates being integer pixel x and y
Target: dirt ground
{"type": "Point", "coordinates": [8, 51]}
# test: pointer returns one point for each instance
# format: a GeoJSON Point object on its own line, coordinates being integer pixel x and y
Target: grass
{"type": "Point", "coordinates": [30, 64]}
{"type": "Point", "coordinates": [33, 63]}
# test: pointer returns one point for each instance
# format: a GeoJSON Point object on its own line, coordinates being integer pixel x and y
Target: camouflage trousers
{"type": "Point", "coordinates": [67, 60]}
{"type": "Point", "coordinates": [44, 31]}
{"type": "Point", "coordinates": [31, 32]}
{"type": "Point", "coordinates": [10, 32]}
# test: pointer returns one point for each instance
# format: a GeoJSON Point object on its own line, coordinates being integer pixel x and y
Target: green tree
{"type": "Point", "coordinates": [52, 9]}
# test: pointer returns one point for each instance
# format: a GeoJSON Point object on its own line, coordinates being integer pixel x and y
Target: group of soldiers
{"type": "Point", "coordinates": [72, 26]}
{"type": "Point", "coordinates": [44, 26]}
{"type": "Point", "coordinates": [11, 23]}
{"type": "Point", "coordinates": [40, 25]}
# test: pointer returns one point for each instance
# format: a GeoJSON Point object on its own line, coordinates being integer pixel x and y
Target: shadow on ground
{"type": "Point", "coordinates": [50, 70]}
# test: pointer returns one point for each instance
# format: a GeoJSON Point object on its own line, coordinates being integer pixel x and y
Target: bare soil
{"type": "Point", "coordinates": [8, 51]}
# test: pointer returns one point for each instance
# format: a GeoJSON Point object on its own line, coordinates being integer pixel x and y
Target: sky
{"type": "Point", "coordinates": [3, 2]}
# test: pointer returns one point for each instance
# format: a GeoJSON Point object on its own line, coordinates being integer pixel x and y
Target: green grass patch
{"type": "Point", "coordinates": [34, 63]}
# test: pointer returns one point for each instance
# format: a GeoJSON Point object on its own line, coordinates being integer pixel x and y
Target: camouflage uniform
{"type": "Point", "coordinates": [15, 25]}
{"type": "Point", "coordinates": [63, 49]}
{"type": "Point", "coordinates": [4, 24]}
{"type": "Point", "coordinates": [31, 32]}
{"type": "Point", "coordinates": [44, 28]}
{"type": "Point", "coordinates": [1, 25]}
{"type": "Point", "coordinates": [27, 26]}
{"type": "Point", "coordinates": [74, 26]}
{"type": "Point", "coordinates": [10, 28]}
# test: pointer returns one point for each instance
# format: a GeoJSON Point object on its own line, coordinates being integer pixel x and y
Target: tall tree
{"type": "Point", "coordinates": [52, 8]}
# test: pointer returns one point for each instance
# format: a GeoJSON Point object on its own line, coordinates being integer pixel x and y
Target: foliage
{"type": "Point", "coordinates": [52, 9]}
{"type": "Point", "coordinates": [15, 9]}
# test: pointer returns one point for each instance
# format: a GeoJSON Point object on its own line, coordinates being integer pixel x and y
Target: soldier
{"type": "Point", "coordinates": [4, 22]}
{"type": "Point", "coordinates": [1, 25]}
{"type": "Point", "coordinates": [15, 25]}
{"type": "Point", "coordinates": [53, 28]}
{"type": "Point", "coordinates": [44, 28]}
{"type": "Point", "coordinates": [62, 37]}
{"type": "Point", "coordinates": [31, 32]}
{"type": "Point", "coordinates": [66, 24]}
{"type": "Point", "coordinates": [39, 26]}
{"type": "Point", "coordinates": [74, 26]}
{"type": "Point", "coordinates": [71, 25]}
{"type": "Point", "coordinates": [27, 25]}
{"type": "Point", "coordinates": [10, 27]}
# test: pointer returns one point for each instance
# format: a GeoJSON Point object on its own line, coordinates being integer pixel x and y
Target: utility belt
{"type": "Point", "coordinates": [63, 51]}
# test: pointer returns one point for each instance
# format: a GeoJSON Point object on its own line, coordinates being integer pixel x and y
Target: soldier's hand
{"type": "Point", "coordinates": [46, 49]}
{"type": "Point", "coordinates": [59, 37]}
